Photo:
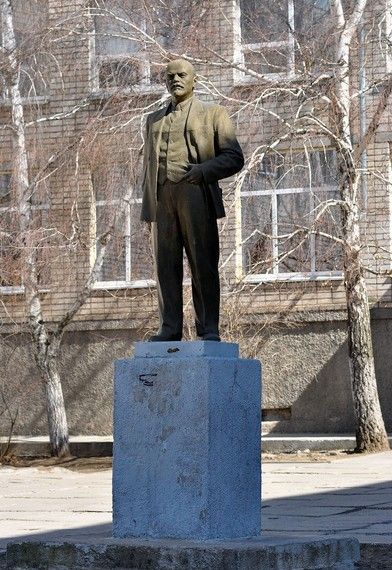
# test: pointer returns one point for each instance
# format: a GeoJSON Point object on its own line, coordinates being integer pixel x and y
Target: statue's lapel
{"type": "Point", "coordinates": [194, 119]}
{"type": "Point", "coordinates": [157, 126]}
{"type": "Point", "coordinates": [195, 115]}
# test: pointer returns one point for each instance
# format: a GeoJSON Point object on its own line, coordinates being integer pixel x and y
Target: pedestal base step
{"type": "Point", "coordinates": [138, 554]}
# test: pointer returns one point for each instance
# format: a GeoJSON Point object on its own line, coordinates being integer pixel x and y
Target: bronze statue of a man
{"type": "Point", "coordinates": [190, 145]}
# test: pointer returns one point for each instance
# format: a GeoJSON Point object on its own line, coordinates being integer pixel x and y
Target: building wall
{"type": "Point", "coordinates": [304, 358]}
{"type": "Point", "coordinates": [71, 185]}
{"type": "Point", "coordinates": [306, 387]}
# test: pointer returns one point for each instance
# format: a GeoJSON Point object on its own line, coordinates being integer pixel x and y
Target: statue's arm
{"type": "Point", "coordinates": [146, 214]}
{"type": "Point", "coordinates": [145, 158]}
{"type": "Point", "coordinates": [229, 158]}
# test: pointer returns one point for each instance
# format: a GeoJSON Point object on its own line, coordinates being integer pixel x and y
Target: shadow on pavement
{"type": "Point", "coordinates": [364, 512]}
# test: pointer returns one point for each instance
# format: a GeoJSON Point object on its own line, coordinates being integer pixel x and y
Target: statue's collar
{"type": "Point", "coordinates": [182, 106]}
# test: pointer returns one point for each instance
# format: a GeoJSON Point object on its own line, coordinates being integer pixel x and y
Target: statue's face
{"type": "Point", "coordinates": [180, 80]}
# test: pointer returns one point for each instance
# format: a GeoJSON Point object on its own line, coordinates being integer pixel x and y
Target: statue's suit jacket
{"type": "Point", "coordinates": [211, 141]}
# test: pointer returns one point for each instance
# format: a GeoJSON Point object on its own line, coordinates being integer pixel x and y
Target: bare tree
{"type": "Point", "coordinates": [46, 337]}
{"type": "Point", "coordinates": [371, 434]}
{"type": "Point", "coordinates": [321, 96]}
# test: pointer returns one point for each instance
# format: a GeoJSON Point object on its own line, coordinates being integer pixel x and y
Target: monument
{"type": "Point", "coordinates": [187, 415]}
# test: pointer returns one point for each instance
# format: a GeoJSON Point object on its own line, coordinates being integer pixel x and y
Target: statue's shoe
{"type": "Point", "coordinates": [211, 336]}
{"type": "Point", "coordinates": [164, 338]}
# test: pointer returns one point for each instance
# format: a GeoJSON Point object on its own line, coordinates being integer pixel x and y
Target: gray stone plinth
{"type": "Point", "coordinates": [137, 554]}
{"type": "Point", "coordinates": [186, 349]}
{"type": "Point", "coordinates": [187, 442]}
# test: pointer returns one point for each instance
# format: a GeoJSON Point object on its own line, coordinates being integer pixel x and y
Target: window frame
{"type": "Point", "coordinates": [241, 48]}
{"type": "Point", "coordinates": [19, 289]}
{"type": "Point", "coordinates": [274, 275]}
{"type": "Point", "coordinates": [128, 282]}
{"type": "Point", "coordinates": [5, 99]}
{"type": "Point", "coordinates": [96, 60]}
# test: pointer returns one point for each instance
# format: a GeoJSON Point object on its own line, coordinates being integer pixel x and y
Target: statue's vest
{"type": "Point", "coordinates": [173, 150]}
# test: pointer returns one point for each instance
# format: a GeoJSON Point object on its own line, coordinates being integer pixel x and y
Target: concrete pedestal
{"type": "Point", "coordinates": [187, 442]}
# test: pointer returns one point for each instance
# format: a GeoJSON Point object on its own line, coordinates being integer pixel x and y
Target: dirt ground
{"type": "Point", "coordinates": [88, 464]}
{"type": "Point", "coordinates": [306, 456]}
{"type": "Point", "coordinates": [81, 464]}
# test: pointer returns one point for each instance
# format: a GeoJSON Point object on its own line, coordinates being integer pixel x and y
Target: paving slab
{"type": "Point", "coordinates": [348, 497]}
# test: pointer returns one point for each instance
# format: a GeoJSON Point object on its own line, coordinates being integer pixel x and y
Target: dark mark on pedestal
{"type": "Point", "coordinates": [144, 381]}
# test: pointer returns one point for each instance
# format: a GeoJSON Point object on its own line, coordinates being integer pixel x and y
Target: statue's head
{"type": "Point", "coordinates": [180, 79]}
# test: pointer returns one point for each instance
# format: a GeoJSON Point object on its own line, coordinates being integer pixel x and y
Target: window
{"type": "Point", "coordinates": [271, 32]}
{"type": "Point", "coordinates": [388, 34]}
{"type": "Point", "coordinates": [9, 255]}
{"type": "Point", "coordinates": [289, 218]}
{"type": "Point", "coordinates": [128, 258]}
{"type": "Point", "coordinates": [390, 200]}
{"type": "Point", "coordinates": [11, 248]}
{"type": "Point", "coordinates": [30, 21]}
{"type": "Point", "coordinates": [121, 57]}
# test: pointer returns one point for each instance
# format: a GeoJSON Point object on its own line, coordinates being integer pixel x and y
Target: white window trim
{"type": "Point", "coordinates": [114, 285]}
{"type": "Point", "coordinates": [5, 99]}
{"type": "Point", "coordinates": [12, 290]}
{"type": "Point", "coordinates": [294, 277]}
{"type": "Point", "coordinates": [126, 283]}
{"type": "Point", "coordinates": [275, 275]}
{"type": "Point", "coordinates": [240, 49]}
{"type": "Point", "coordinates": [20, 290]}
{"type": "Point", "coordinates": [145, 86]}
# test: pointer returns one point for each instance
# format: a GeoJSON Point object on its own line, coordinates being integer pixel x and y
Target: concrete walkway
{"type": "Point", "coordinates": [347, 497]}
{"type": "Point", "coordinates": [350, 496]}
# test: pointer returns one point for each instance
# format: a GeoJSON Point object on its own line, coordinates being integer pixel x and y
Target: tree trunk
{"type": "Point", "coordinates": [47, 349]}
{"type": "Point", "coordinates": [370, 432]}
{"type": "Point", "coordinates": [57, 421]}
{"type": "Point", "coordinates": [58, 430]}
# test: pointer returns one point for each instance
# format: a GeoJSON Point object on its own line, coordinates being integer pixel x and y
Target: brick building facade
{"type": "Point", "coordinates": [90, 71]}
